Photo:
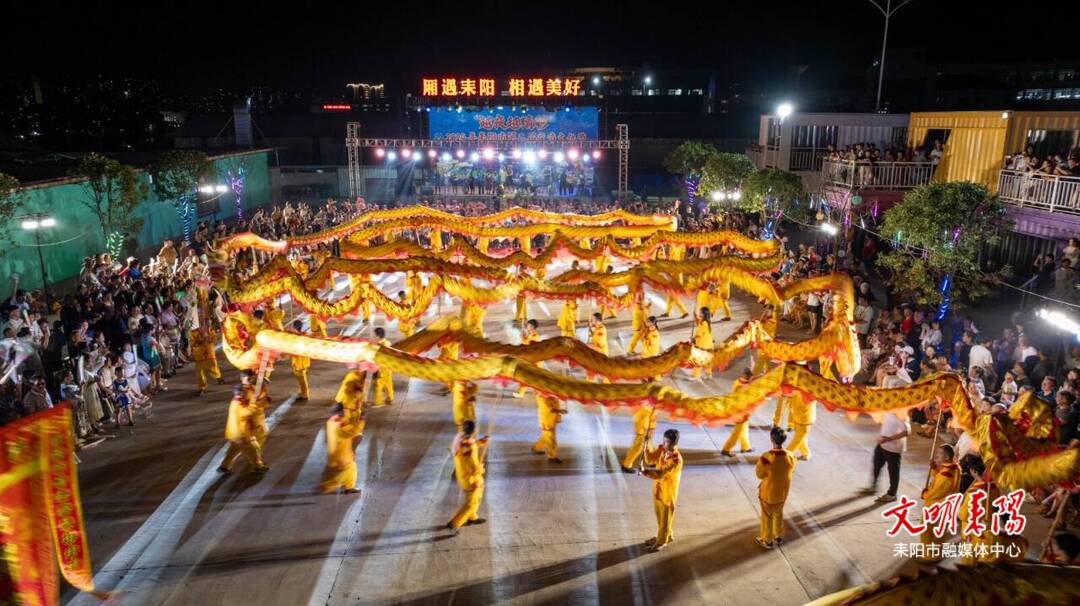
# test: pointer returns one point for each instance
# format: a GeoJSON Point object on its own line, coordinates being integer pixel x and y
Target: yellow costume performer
{"type": "Point", "coordinates": [528, 337]}
{"type": "Point", "coordinates": [774, 469]}
{"type": "Point", "coordinates": [740, 434]}
{"type": "Point", "coordinates": [640, 312]}
{"type": "Point", "coordinates": [944, 481]}
{"type": "Point", "coordinates": [351, 392]}
{"type": "Point", "coordinates": [300, 366]}
{"type": "Point", "coordinates": [702, 338]}
{"type": "Point", "coordinates": [241, 431]}
{"type": "Point", "coordinates": [202, 352]}
{"type": "Point", "coordinates": [342, 432]}
{"type": "Point", "coordinates": [464, 402]}
{"type": "Point", "coordinates": [986, 538]}
{"type": "Point", "coordinates": [803, 415]}
{"type": "Point", "coordinates": [666, 465]}
{"type": "Point", "coordinates": [472, 318]}
{"type": "Point", "coordinates": [568, 318]}
{"type": "Point", "coordinates": [469, 472]}
{"type": "Point", "coordinates": [550, 415]}
{"type": "Point", "coordinates": [644, 424]}
{"type": "Point", "coordinates": [598, 341]}
{"type": "Point", "coordinates": [384, 379]}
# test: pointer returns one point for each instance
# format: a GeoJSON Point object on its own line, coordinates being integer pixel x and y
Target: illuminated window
{"type": "Point", "coordinates": [697, 91]}
{"type": "Point", "coordinates": [1067, 93]}
{"type": "Point", "coordinates": [1033, 94]}
{"type": "Point", "coordinates": [636, 92]}
{"type": "Point", "coordinates": [674, 91]}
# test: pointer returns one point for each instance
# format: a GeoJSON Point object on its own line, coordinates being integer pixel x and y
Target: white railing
{"type": "Point", "coordinates": [807, 158]}
{"type": "Point", "coordinates": [878, 175]}
{"type": "Point", "coordinates": [1047, 192]}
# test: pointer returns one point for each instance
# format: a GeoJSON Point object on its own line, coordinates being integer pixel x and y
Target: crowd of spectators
{"type": "Point", "coordinates": [1060, 165]}
{"type": "Point", "coordinates": [870, 153]}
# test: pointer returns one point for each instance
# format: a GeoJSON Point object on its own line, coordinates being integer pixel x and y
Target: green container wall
{"type": "Point", "coordinates": [77, 233]}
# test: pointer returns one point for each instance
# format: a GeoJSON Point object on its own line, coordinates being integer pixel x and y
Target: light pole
{"type": "Point", "coordinates": [887, 11]}
{"type": "Point", "coordinates": [35, 222]}
{"type": "Point", "coordinates": [782, 111]}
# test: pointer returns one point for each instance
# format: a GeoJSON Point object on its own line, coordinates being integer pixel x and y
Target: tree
{"type": "Point", "coordinates": [938, 230]}
{"type": "Point", "coordinates": [725, 172]}
{"type": "Point", "coordinates": [11, 198]}
{"type": "Point", "coordinates": [770, 189]}
{"type": "Point", "coordinates": [688, 161]}
{"type": "Point", "coordinates": [176, 176]}
{"type": "Point", "coordinates": [113, 192]}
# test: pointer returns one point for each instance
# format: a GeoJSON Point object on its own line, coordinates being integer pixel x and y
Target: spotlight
{"type": "Point", "coordinates": [416, 157]}
{"type": "Point", "coordinates": [406, 153]}
{"type": "Point", "coordinates": [585, 158]}
{"type": "Point", "coordinates": [460, 153]}
{"type": "Point", "coordinates": [31, 224]}
{"type": "Point", "coordinates": [529, 156]}
{"type": "Point", "coordinates": [1059, 320]}
{"type": "Point", "coordinates": [391, 156]}
{"type": "Point", "coordinates": [459, 109]}
{"type": "Point", "coordinates": [596, 80]}
{"type": "Point", "coordinates": [717, 196]}
{"type": "Point", "coordinates": [446, 156]}
{"type": "Point", "coordinates": [543, 154]}
{"type": "Point", "coordinates": [572, 154]}
{"type": "Point", "coordinates": [596, 154]}
{"type": "Point", "coordinates": [516, 154]}
{"type": "Point", "coordinates": [489, 153]}
{"type": "Point", "coordinates": [379, 152]}
{"type": "Point", "coordinates": [559, 157]}
{"type": "Point", "coordinates": [735, 195]}
{"type": "Point", "coordinates": [48, 222]}
{"type": "Point", "coordinates": [475, 157]}
{"type": "Point", "coordinates": [501, 157]}
{"type": "Point", "coordinates": [829, 228]}
{"type": "Point", "coordinates": [432, 153]}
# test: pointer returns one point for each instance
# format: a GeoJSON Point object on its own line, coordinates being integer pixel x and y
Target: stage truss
{"type": "Point", "coordinates": [354, 143]}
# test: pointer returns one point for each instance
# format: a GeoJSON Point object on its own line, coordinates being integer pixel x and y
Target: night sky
{"type": "Point", "coordinates": [325, 45]}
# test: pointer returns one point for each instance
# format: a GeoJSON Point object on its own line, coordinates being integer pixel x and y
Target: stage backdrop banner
{"type": "Point", "coordinates": [532, 126]}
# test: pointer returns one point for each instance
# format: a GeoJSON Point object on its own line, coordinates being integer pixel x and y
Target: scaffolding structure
{"type": "Point", "coordinates": [352, 144]}
{"type": "Point", "coordinates": [622, 132]}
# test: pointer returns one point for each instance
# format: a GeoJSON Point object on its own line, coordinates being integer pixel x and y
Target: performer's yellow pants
{"type": "Point", "coordinates": [778, 414]}
{"type": "Point", "coordinates": [250, 448]}
{"type": "Point", "coordinates": [521, 310]}
{"type": "Point", "coordinates": [665, 516]}
{"type": "Point", "coordinates": [800, 444]}
{"type": "Point", "coordinates": [724, 306]}
{"type": "Point", "coordinates": [635, 338]}
{"type": "Point", "coordinates": [675, 301]}
{"type": "Point", "coordinates": [384, 388]}
{"type": "Point", "coordinates": [772, 520]}
{"type": "Point", "coordinates": [468, 510]}
{"type": "Point", "coordinates": [636, 448]}
{"type": "Point", "coordinates": [338, 477]}
{"type": "Point", "coordinates": [547, 443]}
{"type": "Point", "coordinates": [301, 382]}
{"type": "Point", "coordinates": [740, 435]}
{"type": "Point", "coordinates": [205, 369]}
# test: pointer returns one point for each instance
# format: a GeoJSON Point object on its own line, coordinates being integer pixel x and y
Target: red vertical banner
{"type": "Point", "coordinates": [40, 513]}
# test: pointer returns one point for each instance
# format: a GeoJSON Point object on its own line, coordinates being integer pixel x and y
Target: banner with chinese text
{"type": "Point", "coordinates": [40, 511]}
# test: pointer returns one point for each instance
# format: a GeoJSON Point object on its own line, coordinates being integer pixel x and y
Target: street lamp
{"type": "Point", "coordinates": [782, 111]}
{"type": "Point", "coordinates": [36, 222]}
{"type": "Point", "coordinates": [887, 8]}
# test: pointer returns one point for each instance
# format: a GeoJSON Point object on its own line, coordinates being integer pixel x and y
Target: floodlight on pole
{"type": "Point", "coordinates": [35, 222]}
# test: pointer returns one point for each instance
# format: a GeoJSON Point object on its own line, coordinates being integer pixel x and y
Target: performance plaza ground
{"type": "Point", "coordinates": [166, 528]}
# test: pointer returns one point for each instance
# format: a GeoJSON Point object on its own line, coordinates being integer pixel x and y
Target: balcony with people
{"type": "Point", "coordinates": [1049, 183]}
{"type": "Point", "coordinates": [866, 166]}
